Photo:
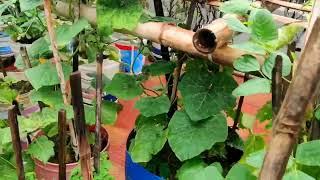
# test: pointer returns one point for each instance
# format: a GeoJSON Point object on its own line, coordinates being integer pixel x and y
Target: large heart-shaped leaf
{"type": "Point", "coordinates": [124, 86]}
{"type": "Point", "coordinates": [159, 68]}
{"type": "Point", "coordinates": [240, 172]}
{"type": "Point", "coordinates": [250, 47]}
{"type": "Point", "coordinates": [46, 75]}
{"type": "Point", "coordinates": [7, 94]}
{"type": "Point", "coordinates": [240, 7]}
{"type": "Point", "coordinates": [42, 149]}
{"type": "Point", "coordinates": [263, 27]}
{"type": "Point", "coordinates": [205, 94]}
{"type": "Point", "coordinates": [152, 106]}
{"type": "Point", "coordinates": [253, 86]}
{"type": "Point", "coordinates": [188, 139]}
{"type": "Point", "coordinates": [122, 14]}
{"type": "Point", "coordinates": [270, 62]}
{"type": "Point", "coordinates": [109, 113]}
{"type": "Point", "coordinates": [236, 25]}
{"type": "Point", "coordinates": [150, 138]}
{"type": "Point", "coordinates": [246, 63]}
{"type": "Point", "coordinates": [309, 153]}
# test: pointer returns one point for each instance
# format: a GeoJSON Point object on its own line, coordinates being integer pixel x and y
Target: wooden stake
{"type": "Point", "coordinates": [80, 125]}
{"type": "Point", "coordinates": [97, 146]}
{"type": "Point", "coordinates": [57, 61]}
{"type": "Point", "coordinates": [291, 115]}
{"type": "Point", "coordinates": [62, 144]}
{"type": "Point", "coordinates": [75, 58]}
{"type": "Point", "coordinates": [14, 128]}
{"type": "Point", "coordinates": [25, 57]}
{"type": "Point", "coordinates": [4, 72]}
{"type": "Point", "coordinates": [276, 86]}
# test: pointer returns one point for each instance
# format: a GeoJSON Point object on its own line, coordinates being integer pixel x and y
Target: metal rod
{"type": "Point", "coordinates": [97, 146]}
{"type": "Point", "coordinates": [14, 128]}
{"type": "Point", "coordinates": [62, 144]}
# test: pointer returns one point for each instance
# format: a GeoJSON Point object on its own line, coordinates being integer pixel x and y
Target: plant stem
{"type": "Point", "coordinates": [240, 103]}
{"type": "Point", "coordinates": [57, 61]}
{"type": "Point", "coordinates": [145, 88]}
{"type": "Point", "coordinates": [277, 86]}
{"type": "Point", "coordinates": [176, 78]}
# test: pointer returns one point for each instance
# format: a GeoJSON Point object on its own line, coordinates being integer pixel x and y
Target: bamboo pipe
{"type": "Point", "coordinates": [168, 35]}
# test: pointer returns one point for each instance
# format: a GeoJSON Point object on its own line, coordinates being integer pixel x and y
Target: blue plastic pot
{"type": "Point", "coordinates": [5, 50]}
{"type": "Point", "coordinates": [135, 171]}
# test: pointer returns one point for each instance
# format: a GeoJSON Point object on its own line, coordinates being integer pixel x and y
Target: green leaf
{"type": "Point", "coordinates": [253, 143]}
{"type": "Point", "coordinates": [117, 15]}
{"type": "Point", "coordinates": [240, 172]}
{"type": "Point", "coordinates": [218, 166]}
{"type": "Point", "coordinates": [150, 138]}
{"type": "Point", "coordinates": [209, 173]}
{"type": "Point", "coordinates": [255, 159]}
{"type": "Point", "coordinates": [124, 86]}
{"type": "Point", "coordinates": [7, 169]}
{"type": "Point", "coordinates": [286, 36]}
{"type": "Point", "coordinates": [308, 153]}
{"type": "Point", "coordinates": [26, 5]}
{"type": "Point", "coordinates": [270, 62]}
{"type": "Point", "coordinates": [109, 113]}
{"type": "Point", "coordinates": [159, 68]}
{"type": "Point", "coordinates": [7, 94]}
{"type": "Point", "coordinates": [246, 63]}
{"type": "Point", "coordinates": [263, 27]}
{"type": "Point", "coordinates": [47, 95]}
{"type": "Point", "coordinates": [152, 106]}
{"type": "Point", "coordinates": [205, 94]}
{"type": "Point", "coordinates": [265, 113]}
{"type": "Point", "coordinates": [42, 149]}
{"type": "Point", "coordinates": [249, 47]}
{"type": "Point", "coordinates": [253, 86]}
{"type": "Point", "coordinates": [248, 120]}
{"type": "Point", "coordinates": [317, 113]}
{"type": "Point", "coordinates": [236, 25]}
{"type": "Point", "coordinates": [297, 175]}
{"type": "Point", "coordinates": [240, 7]}
{"type": "Point", "coordinates": [188, 139]}
{"type": "Point", "coordinates": [46, 75]}
{"type": "Point", "coordinates": [191, 167]}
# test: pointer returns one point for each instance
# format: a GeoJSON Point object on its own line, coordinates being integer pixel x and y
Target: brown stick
{"type": "Point", "coordinates": [240, 103]}
{"type": "Point", "coordinates": [62, 144]}
{"type": "Point", "coordinates": [25, 57]}
{"type": "Point", "coordinates": [177, 73]}
{"type": "Point", "coordinates": [80, 125]}
{"type": "Point", "coordinates": [14, 128]}
{"type": "Point", "coordinates": [289, 5]}
{"type": "Point", "coordinates": [276, 86]}
{"type": "Point", "coordinates": [293, 109]}
{"type": "Point", "coordinates": [57, 61]}
{"type": "Point", "coordinates": [4, 72]}
{"type": "Point", "coordinates": [97, 146]}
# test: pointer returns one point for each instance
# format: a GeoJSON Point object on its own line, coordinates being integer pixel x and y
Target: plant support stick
{"type": "Point", "coordinates": [57, 61]}
{"type": "Point", "coordinates": [291, 115]}
{"type": "Point", "coordinates": [14, 128]}
{"type": "Point", "coordinates": [62, 144]}
{"type": "Point", "coordinates": [97, 146]}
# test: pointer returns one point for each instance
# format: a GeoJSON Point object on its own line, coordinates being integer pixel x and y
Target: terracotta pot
{"type": "Point", "coordinates": [50, 171]}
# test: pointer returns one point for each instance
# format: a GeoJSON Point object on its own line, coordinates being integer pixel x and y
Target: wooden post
{"type": "Point", "coordinates": [25, 57]}
{"type": "Point", "coordinates": [4, 72]}
{"type": "Point", "coordinates": [62, 144]}
{"type": "Point", "coordinates": [80, 125]}
{"type": "Point", "coordinates": [276, 86]}
{"type": "Point", "coordinates": [97, 146]}
{"type": "Point", "coordinates": [14, 128]}
{"type": "Point", "coordinates": [291, 115]}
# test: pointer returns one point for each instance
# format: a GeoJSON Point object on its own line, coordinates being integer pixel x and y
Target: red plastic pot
{"type": "Point", "coordinates": [50, 171]}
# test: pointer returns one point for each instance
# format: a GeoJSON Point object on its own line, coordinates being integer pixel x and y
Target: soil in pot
{"type": "Point", "coordinates": [50, 170]}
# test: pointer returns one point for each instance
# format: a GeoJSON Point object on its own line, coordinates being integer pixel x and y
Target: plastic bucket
{"type": "Point", "coordinates": [4, 44]}
{"type": "Point", "coordinates": [131, 58]}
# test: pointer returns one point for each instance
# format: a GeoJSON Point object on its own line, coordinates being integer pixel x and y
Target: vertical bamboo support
{"type": "Point", "coordinates": [62, 144]}
{"type": "Point", "coordinates": [97, 146]}
{"type": "Point", "coordinates": [276, 86]}
{"type": "Point", "coordinates": [25, 57]}
{"type": "Point", "coordinates": [14, 128]}
{"type": "Point", "coordinates": [291, 115]}
{"type": "Point", "coordinates": [80, 124]}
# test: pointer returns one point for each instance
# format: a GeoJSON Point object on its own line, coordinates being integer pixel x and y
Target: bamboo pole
{"type": "Point", "coordinates": [57, 61]}
{"type": "Point", "coordinates": [99, 83]}
{"type": "Point", "coordinates": [291, 115]}
{"type": "Point", "coordinates": [80, 124]}
{"type": "Point", "coordinates": [14, 128]}
{"type": "Point", "coordinates": [167, 35]}
{"type": "Point", "coordinates": [25, 57]}
{"type": "Point", "coordinates": [290, 5]}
